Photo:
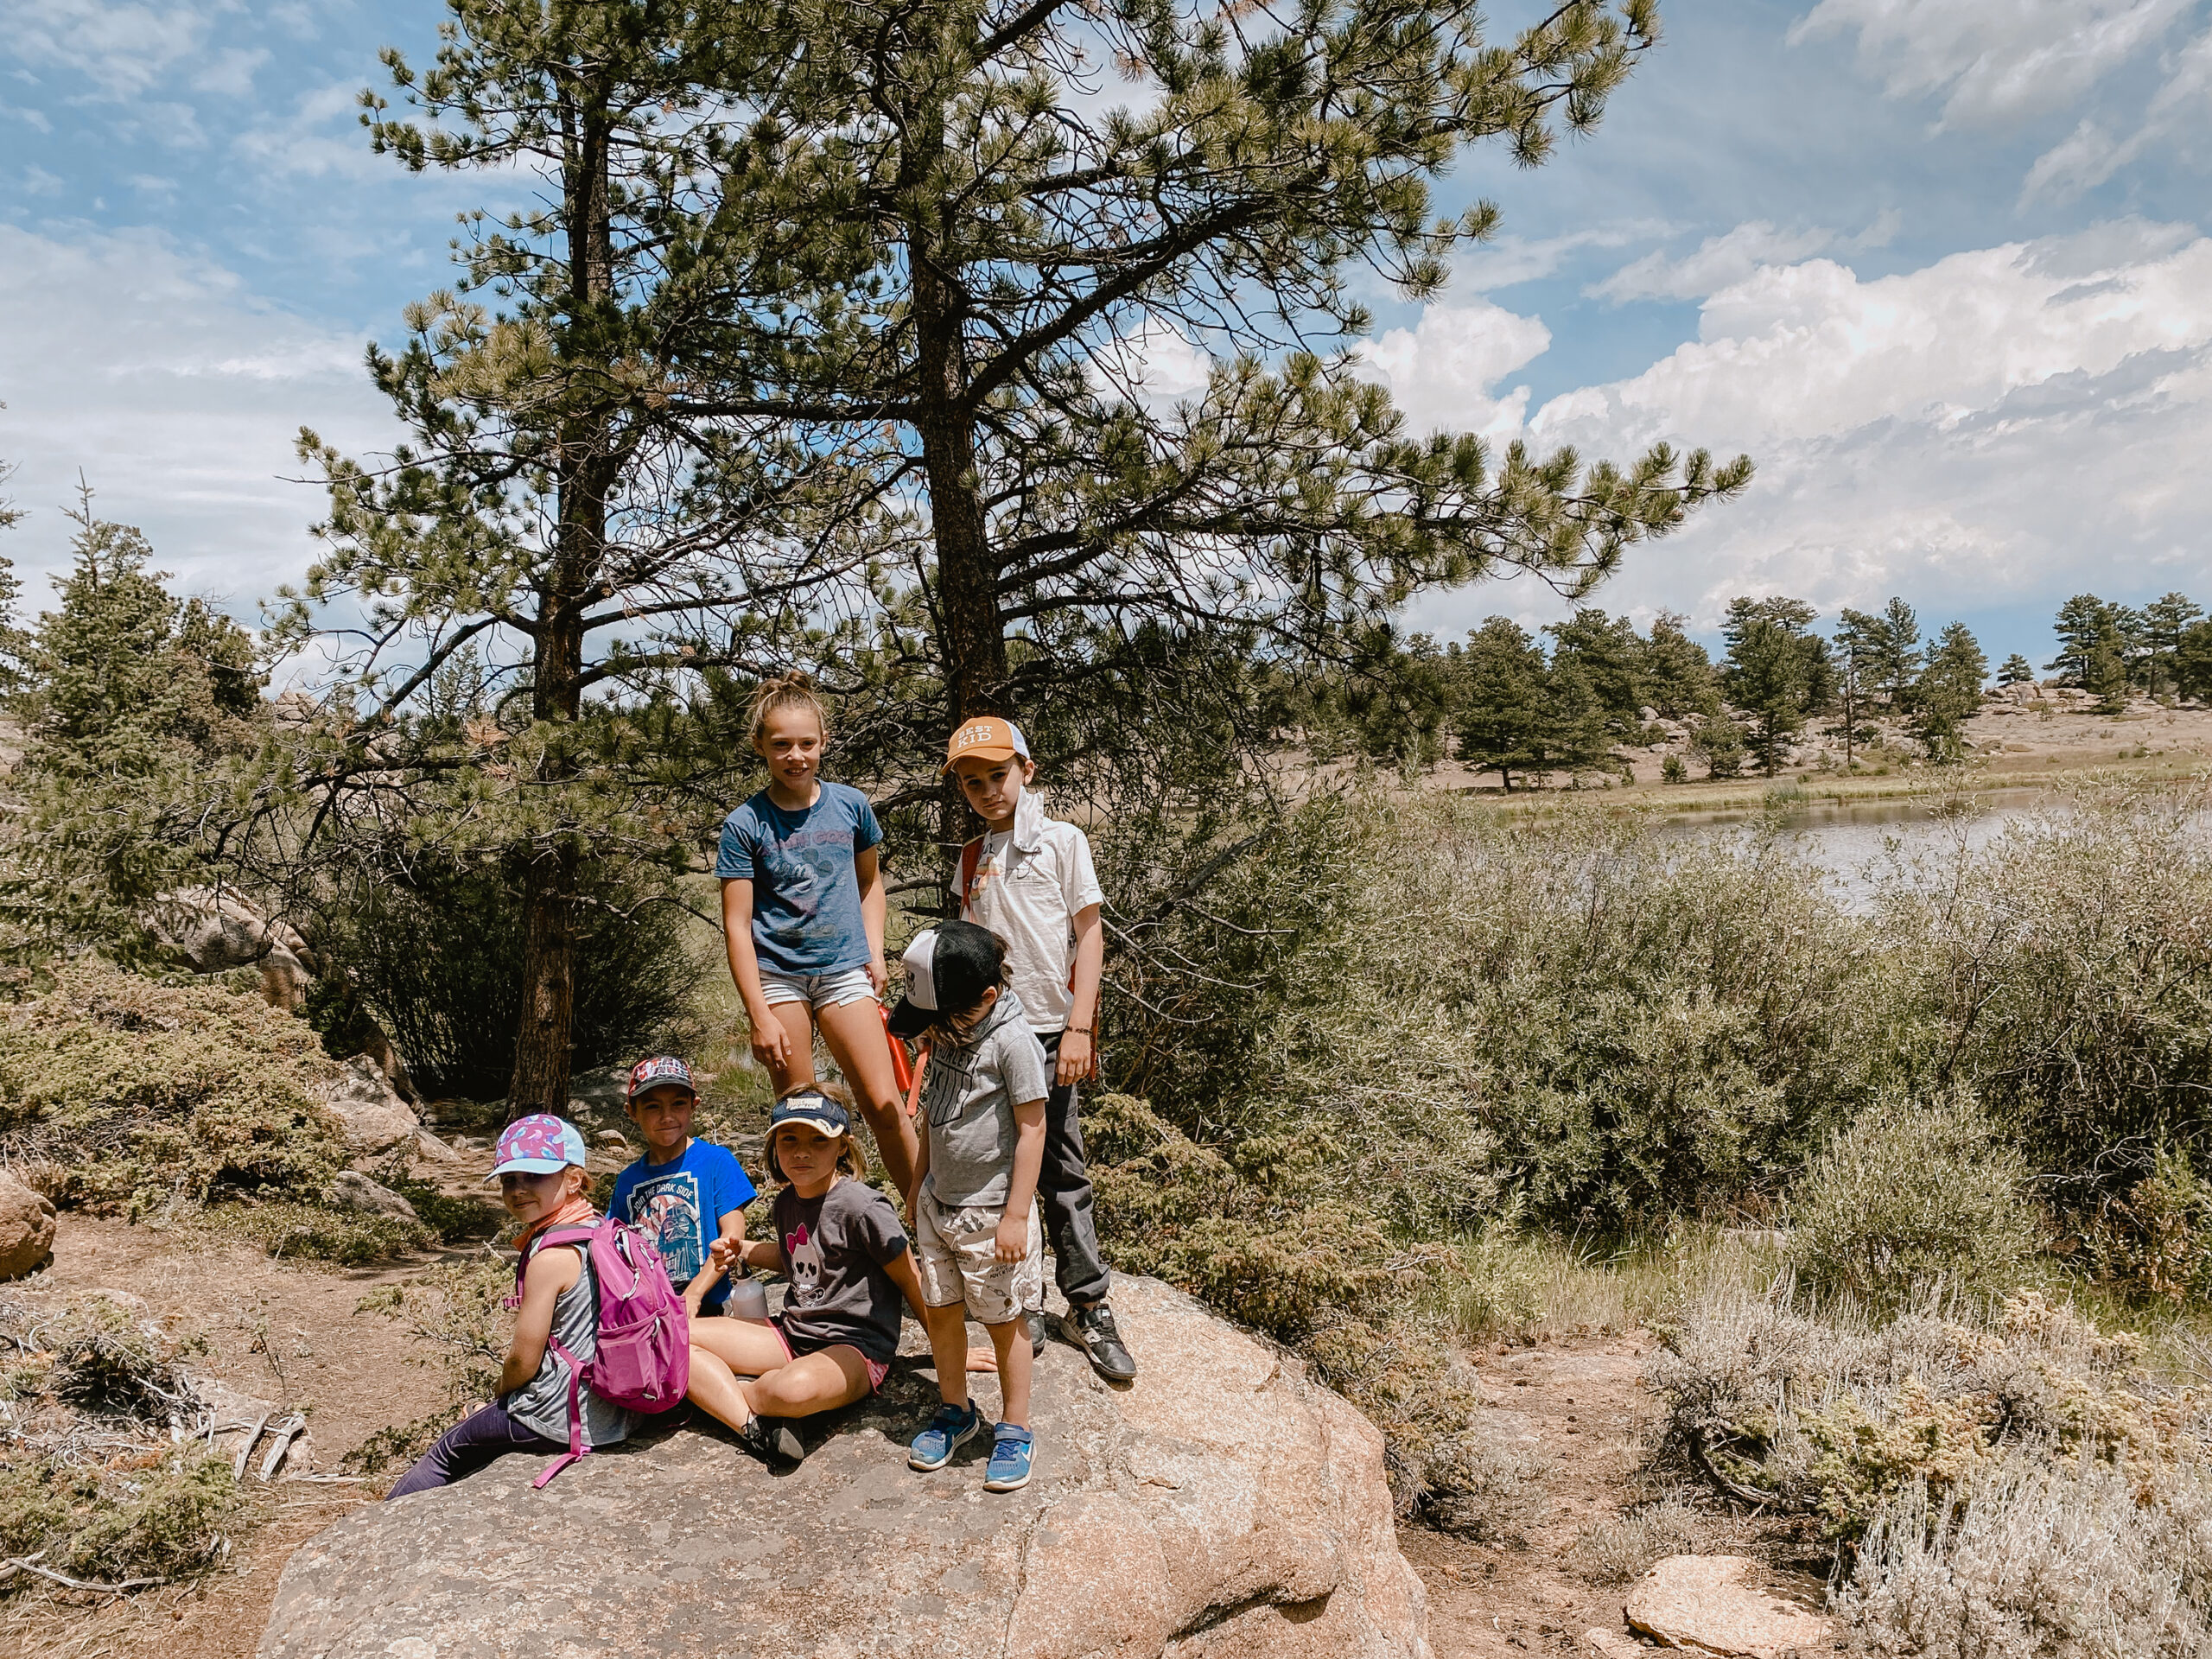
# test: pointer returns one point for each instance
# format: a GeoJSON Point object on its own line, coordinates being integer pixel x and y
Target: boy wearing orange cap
{"type": "Point", "coordinates": [1030, 880]}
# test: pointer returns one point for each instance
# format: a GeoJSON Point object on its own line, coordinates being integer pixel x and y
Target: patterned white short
{"type": "Point", "coordinates": [955, 1255]}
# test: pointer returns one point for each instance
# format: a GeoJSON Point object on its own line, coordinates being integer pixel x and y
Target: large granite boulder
{"type": "Point", "coordinates": [375, 1117]}
{"type": "Point", "coordinates": [26, 1228]}
{"type": "Point", "coordinates": [1223, 1506]}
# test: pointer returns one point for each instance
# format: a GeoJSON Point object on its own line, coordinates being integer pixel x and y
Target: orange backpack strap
{"type": "Point", "coordinates": [971, 856]}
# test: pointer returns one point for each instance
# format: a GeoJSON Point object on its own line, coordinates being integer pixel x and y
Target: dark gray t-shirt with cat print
{"type": "Point", "coordinates": [836, 1249]}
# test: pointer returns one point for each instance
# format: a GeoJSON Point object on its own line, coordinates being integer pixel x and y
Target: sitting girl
{"type": "Point", "coordinates": [542, 1184]}
{"type": "Point", "coordinates": [839, 1242]}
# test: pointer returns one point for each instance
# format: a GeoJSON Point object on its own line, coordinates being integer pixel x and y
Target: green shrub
{"type": "Point", "coordinates": [327, 1237]}
{"type": "Point", "coordinates": [123, 1092]}
{"type": "Point", "coordinates": [1913, 1200]}
{"type": "Point", "coordinates": [438, 961]}
{"type": "Point", "coordinates": [2156, 1238]}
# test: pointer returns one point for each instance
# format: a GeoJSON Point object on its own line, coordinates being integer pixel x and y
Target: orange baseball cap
{"type": "Point", "coordinates": [987, 739]}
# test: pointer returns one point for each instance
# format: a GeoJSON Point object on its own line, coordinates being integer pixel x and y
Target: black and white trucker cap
{"type": "Point", "coordinates": [949, 967]}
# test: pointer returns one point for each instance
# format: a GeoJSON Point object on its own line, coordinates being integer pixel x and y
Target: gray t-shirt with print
{"type": "Point", "coordinates": [968, 1095]}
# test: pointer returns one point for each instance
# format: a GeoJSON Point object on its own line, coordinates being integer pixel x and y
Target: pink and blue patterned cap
{"type": "Point", "coordinates": [539, 1145]}
{"type": "Point", "coordinates": [662, 1068]}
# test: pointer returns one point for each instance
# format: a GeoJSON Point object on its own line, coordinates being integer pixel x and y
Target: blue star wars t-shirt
{"type": "Point", "coordinates": [679, 1205]}
{"type": "Point", "coordinates": [806, 898]}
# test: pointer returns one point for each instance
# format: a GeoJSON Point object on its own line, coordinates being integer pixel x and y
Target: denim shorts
{"type": "Point", "coordinates": [816, 990]}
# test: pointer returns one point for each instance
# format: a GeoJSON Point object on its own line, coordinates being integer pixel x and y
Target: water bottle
{"type": "Point", "coordinates": [748, 1299]}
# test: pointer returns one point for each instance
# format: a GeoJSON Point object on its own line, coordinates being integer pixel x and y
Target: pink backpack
{"type": "Point", "coordinates": [644, 1357]}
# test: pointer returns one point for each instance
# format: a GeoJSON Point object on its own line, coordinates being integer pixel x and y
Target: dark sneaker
{"type": "Point", "coordinates": [950, 1430]}
{"type": "Point", "coordinates": [1036, 1333]}
{"type": "Point", "coordinates": [775, 1442]}
{"type": "Point", "coordinates": [1010, 1452]}
{"type": "Point", "coordinates": [1091, 1326]}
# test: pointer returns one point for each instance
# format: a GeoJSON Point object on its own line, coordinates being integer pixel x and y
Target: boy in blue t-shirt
{"type": "Point", "coordinates": [683, 1194]}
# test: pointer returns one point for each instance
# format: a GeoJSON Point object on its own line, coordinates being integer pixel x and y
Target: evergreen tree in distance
{"type": "Point", "coordinates": [1777, 672]}
{"type": "Point", "coordinates": [1948, 693]}
{"type": "Point", "coordinates": [2165, 620]}
{"type": "Point", "coordinates": [1501, 720]}
{"type": "Point", "coordinates": [2017, 670]}
{"type": "Point", "coordinates": [1677, 675]}
{"type": "Point", "coordinates": [2193, 662]}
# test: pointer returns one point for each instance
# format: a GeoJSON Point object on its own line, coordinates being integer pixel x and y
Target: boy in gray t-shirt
{"type": "Point", "coordinates": [978, 1245]}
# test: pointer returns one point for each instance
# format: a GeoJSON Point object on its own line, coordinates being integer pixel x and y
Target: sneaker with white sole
{"type": "Point", "coordinates": [1011, 1449]}
{"type": "Point", "coordinates": [951, 1429]}
{"type": "Point", "coordinates": [1091, 1326]}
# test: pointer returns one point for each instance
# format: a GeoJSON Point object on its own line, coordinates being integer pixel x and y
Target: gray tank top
{"type": "Point", "coordinates": [541, 1405]}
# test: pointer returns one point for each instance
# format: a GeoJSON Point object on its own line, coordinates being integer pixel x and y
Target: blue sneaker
{"type": "Point", "coordinates": [1010, 1450]}
{"type": "Point", "coordinates": [951, 1429]}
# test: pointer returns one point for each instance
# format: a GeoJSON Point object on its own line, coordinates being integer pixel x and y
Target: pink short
{"type": "Point", "coordinates": [877, 1369]}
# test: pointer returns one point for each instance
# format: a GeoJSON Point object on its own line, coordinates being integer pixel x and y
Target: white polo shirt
{"type": "Point", "coordinates": [1028, 887]}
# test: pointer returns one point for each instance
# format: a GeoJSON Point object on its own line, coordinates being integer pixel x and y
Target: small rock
{"type": "Point", "coordinates": [1702, 1604]}
{"type": "Point", "coordinates": [429, 1145]}
{"type": "Point", "coordinates": [354, 1190]}
{"type": "Point", "coordinates": [613, 1140]}
{"type": "Point", "coordinates": [1613, 1645]}
{"type": "Point", "coordinates": [27, 1224]}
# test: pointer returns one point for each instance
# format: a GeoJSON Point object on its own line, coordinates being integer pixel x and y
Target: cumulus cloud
{"type": "Point", "coordinates": [1442, 372]}
{"type": "Point", "coordinates": [1992, 61]}
{"type": "Point", "coordinates": [2006, 425]}
{"type": "Point", "coordinates": [178, 394]}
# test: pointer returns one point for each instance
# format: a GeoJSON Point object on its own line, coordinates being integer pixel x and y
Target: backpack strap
{"type": "Point", "coordinates": [970, 856]}
{"type": "Point", "coordinates": [577, 1450]}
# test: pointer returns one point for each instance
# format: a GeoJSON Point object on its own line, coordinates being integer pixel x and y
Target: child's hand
{"type": "Point", "coordinates": [878, 976]}
{"type": "Point", "coordinates": [723, 1252]}
{"type": "Point", "coordinates": [1011, 1242]}
{"type": "Point", "coordinates": [1078, 1059]}
{"type": "Point", "coordinates": [771, 1046]}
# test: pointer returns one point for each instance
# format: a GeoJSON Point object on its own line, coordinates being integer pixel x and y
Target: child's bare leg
{"type": "Point", "coordinates": [948, 1328]}
{"type": "Point", "coordinates": [821, 1380]}
{"type": "Point", "coordinates": [854, 1031]}
{"type": "Point", "coordinates": [798, 1072]}
{"type": "Point", "coordinates": [721, 1350]}
{"type": "Point", "coordinates": [1016, 1361]}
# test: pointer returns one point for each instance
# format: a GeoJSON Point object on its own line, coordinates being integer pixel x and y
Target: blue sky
{"type": "Point", "coordinates": [1939, 266]}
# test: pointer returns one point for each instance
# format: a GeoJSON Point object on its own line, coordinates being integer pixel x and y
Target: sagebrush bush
{"type": "Point", "coordinates": [1913, 1200]}
{"type": "Point", "coordinates": [1628, 1545]}
{"type": "Point", "coordinates": [1818, 1415]}
{"type": "Point", "coordinates": [2063, 971]}
{"type": "Point", "coordinates": [2039, 1559]}
{"type": "Point", "coordinates": [123, 1092]}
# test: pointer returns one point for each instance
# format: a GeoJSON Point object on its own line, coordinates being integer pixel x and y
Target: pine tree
{"type": "Point", "coordinates": [1862, 644]}
{"type": "Point", "coordinates": [15, 644]}
{"type": "Point", "coordinates": [2164, 620]}
{"type": "Point", "coordinates": [2081, 621]}
{"type": "Point", "coordinates": [555, 518]}
{"type": "Point", "coordinates": [2017, 670]}
{"type": "Point", "coordinates": [1501, 700]}
{"type": "Point", "coordinates": [1948, 693]}
{"type": "Point", "coordinates": [1607, 652]}
{"type": "Point", "coordinates": [2193, 662]}
{"type": "Point", "coordinates": [1896, 656]}
{"type": "Point", "coordinates": [1571, 733]}
{"type": "Point", "coordinates": [1777, 672]}
{"type": "Point", "coordinates": [1676, 674]}
{"type": "Point", "coordinates": [981, 256]}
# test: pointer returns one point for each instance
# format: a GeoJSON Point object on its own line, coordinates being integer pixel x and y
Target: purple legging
{"type": "Point", "coordinates": [467, 1446]}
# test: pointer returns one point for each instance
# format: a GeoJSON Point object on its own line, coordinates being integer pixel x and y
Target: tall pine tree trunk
{"type": "Point", "coordinates": [586, 469]}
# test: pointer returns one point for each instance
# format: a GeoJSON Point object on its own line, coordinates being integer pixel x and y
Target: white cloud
{"type": "Point", "coordinates": [1512, 259]}
{"type": "Point", "coordinates": [2006, 425]}
{"type": "Point", "coordinates": [179, 395]}
{"type": "Point", "coordinates": [2090, 155]}
{"type": "Point", "coordinates": [1718, 263]}
{"type": "Point", "coordinates": [1994, 61]}
{"type": "Point", "coordinates": [38, 181]}
{"type": "Point", "coordinates": [122, 50]}
{"type": "Point", "coordinates": [1441, 372]}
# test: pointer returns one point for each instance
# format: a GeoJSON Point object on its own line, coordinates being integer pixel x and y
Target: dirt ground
{"type": "Point", "coordinates": [291, 1335]}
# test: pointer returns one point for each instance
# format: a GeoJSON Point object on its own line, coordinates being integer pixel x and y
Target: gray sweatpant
{"type": "Point", "coordinates": [1063, 1194]}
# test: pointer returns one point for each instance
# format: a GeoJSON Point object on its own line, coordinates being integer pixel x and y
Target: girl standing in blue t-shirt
{"type": "Point", "coordinates": [802, 911]}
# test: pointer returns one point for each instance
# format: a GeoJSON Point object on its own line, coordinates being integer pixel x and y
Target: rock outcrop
{"type": "Point", "coordinates": [1225, 1506]}
{"type": "Point", "coordinates": [26, 1228]}
{"type": "Point", "coordinates": [375, 1118]}
{"type": "Point", "coordinates": [1709, 1604]}
{"type": "Point", "coordinates": [352, 1190]}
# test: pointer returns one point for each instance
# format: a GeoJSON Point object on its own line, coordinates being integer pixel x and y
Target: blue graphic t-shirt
{"type": "Point", "coordinates": [679, 1205]}
{"type": "Point", "coordinates": [806, 898]}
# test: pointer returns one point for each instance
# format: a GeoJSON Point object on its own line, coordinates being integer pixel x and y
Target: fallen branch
{"type": "Point", "coordinates": [245, 1451]}
{"type": "Point", "coordinates": [282, 1436]}
{"type": "Point", "coordinates": [1702, 1457]}
{"type": "Point", "coordinates": [29, 1564]}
